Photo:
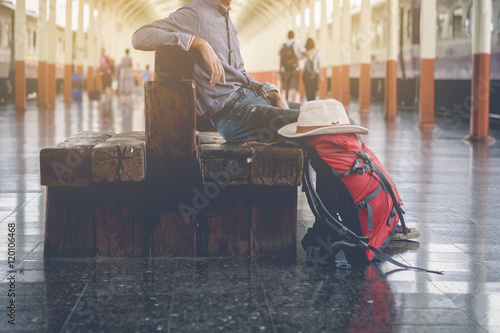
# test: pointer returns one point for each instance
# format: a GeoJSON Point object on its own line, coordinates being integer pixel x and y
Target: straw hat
{"type": "Point", "coordinates": [321, 117]}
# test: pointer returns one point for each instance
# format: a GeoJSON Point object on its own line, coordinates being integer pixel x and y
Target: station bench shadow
{"type": "Point", "coordinates": [170, 191]}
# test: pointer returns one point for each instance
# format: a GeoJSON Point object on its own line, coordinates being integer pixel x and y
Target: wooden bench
{"type": "Point", "coordinates": [168, 191]}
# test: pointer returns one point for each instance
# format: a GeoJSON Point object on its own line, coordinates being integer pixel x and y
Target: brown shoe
{"type": "Point", "coordinates": [397, 233]}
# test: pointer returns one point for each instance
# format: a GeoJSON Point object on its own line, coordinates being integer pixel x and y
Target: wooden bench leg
{"type": "Point", "coordinates": [169, 232]}
{"type": "Point", "coordinates": [249, 220]}
{"type": "Point", "coordinates": [172, 236]}
{"type": "Point", "coordinates": [119, 221]}
{"type": "Point", "coordinates": [223, 227]}
{"type": "Point", "coordinates": [171, 146]}
{"type": "Point", "coordinates": [274, 222]}
{"type": "Point", "coordinates": [69, 222]}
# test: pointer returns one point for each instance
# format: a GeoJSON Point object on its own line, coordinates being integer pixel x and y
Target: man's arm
{"type": "Point", "coordinates": [299, 49]}
{"type": "Point", "coordinates": [207, 52]}
{"type": "Point", "coordinates": [177, 29]}
{"type": "Point", "coordinates": [277, 99]}
{"type": "Point", "coordinates": [272, 92]}
{"type": "Point", "coordinates": [269, 89]}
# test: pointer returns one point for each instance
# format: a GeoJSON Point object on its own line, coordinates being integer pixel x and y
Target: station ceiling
{"type": "Point", "coordinates": [249, 16]}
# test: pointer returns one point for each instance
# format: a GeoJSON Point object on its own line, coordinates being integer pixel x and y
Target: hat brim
{"type": "Point", "coordinates": [290, 130]}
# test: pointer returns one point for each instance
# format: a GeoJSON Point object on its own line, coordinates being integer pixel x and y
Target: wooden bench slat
{"type": "Point", "coordinates": [277, 166]}
{"type": "Point", "coordinates": [121, 158]}
{"type": "Point", "coordinates": [69, 163]}
{"type": "Point", "coordinates": [228, 163]}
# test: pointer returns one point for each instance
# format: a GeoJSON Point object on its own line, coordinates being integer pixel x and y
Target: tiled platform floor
{"type": "Point", "coordinates": [451, 191]}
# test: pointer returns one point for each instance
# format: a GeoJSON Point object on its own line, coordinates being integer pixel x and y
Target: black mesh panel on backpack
{"type": "Point", "coordinates": [338, 201]}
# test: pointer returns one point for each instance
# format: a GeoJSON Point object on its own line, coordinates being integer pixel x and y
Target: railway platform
{"type": "Point", "coordinates": [450, 189]}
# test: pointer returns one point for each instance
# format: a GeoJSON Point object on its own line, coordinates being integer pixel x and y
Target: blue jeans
{"type": "Point", "coordinates": [251, 117]}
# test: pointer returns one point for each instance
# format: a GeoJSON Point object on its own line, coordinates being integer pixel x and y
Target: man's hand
{"type": "Point", "coordinates": [216, 70]}
{"type": "Point", "coordinates": [277, 99]}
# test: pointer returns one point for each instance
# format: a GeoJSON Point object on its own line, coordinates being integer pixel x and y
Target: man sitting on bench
{"type": "Point", "coordinates": [241, 108]}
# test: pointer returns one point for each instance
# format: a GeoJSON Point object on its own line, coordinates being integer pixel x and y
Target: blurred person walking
{"type": "Point", "coordinates": [146, 75]}
{"type": "Point", "coordinates": [311, 73]}
{"type": "Point", "coordinates": [106, 69]}
{"type": "Point", "coordinates": [290, 53]}
{"type": "Point", "coordinates": [126, 82]}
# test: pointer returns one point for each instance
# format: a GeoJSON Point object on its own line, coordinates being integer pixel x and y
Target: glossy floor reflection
{"type": "Point", "coordinates": [450, 188]}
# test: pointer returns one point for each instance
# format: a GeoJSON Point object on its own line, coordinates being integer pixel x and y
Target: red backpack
{"type": "Point", "coordinates": [354, 201]}
{"type": "Point", "coordinates": [352, 186]}
{"type": "Point", "coordinates": [350, 160]}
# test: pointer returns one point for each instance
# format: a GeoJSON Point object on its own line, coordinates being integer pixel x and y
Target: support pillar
{"type": "Point", "coordinates": [80, 47]}
{"type": "Point", "coordinates": [90, 79]}
{"type": "Point", "coordinates": [480, 89]}
{"type": "Point", "coordinates": [20, 56]}
{"type": "Point", "coordinates": [51, 54]}
{"type": "Point", "coordinates": [311, 19]}
{"type": "Point", "coordinates": [427, 60]}
{"type": "Point", "coordinates": [90, 48]}
{"type": "Point", "coordinates": [302, 87]}
{"type": "Point", "coordinates": [68, 53]}
{"type": "Point", "coordinates": [391, 75]}
{"type": "Point", "coordinates": [310, 34]}
{"type": "Point", "coordinates": [323, 86]}
{"type": "Point", "coordinates": [302, 31]}
{"type": "Point", "coordinates": [335, 54]}
{"type": "Point", "coordinates": [42, 54]}
{"type": "Point", "coordinates": [345, 52]}
{"type": "Point", "coordinates": [366, 54]}
{"type": "Point", "coordinates": [98, 81]}
{"type": "Point", "coordinates": [323, 83]}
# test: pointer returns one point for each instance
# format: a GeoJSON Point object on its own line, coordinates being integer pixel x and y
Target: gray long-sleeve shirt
{"type": "Point", "coordinates": [209, 20]}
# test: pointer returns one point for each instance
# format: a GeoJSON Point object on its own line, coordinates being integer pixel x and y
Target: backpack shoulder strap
{"type": "Point", "coordinates": [387, 187]}
{"type": "Point", "coordinates": [315, 202]}
{"type": "Point", "coordinates": [329, 185]}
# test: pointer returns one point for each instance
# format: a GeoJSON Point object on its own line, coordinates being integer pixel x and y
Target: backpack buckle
{"type": "Point", "coordinates": [342, 264]}
{"type": "Point", "coordinates": [357, 168]}
{"type": "Point", "coordinates": [361, 205]}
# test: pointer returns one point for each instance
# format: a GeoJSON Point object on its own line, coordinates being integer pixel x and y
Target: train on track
{"type": "Point", "coordinates": [453, 65]}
